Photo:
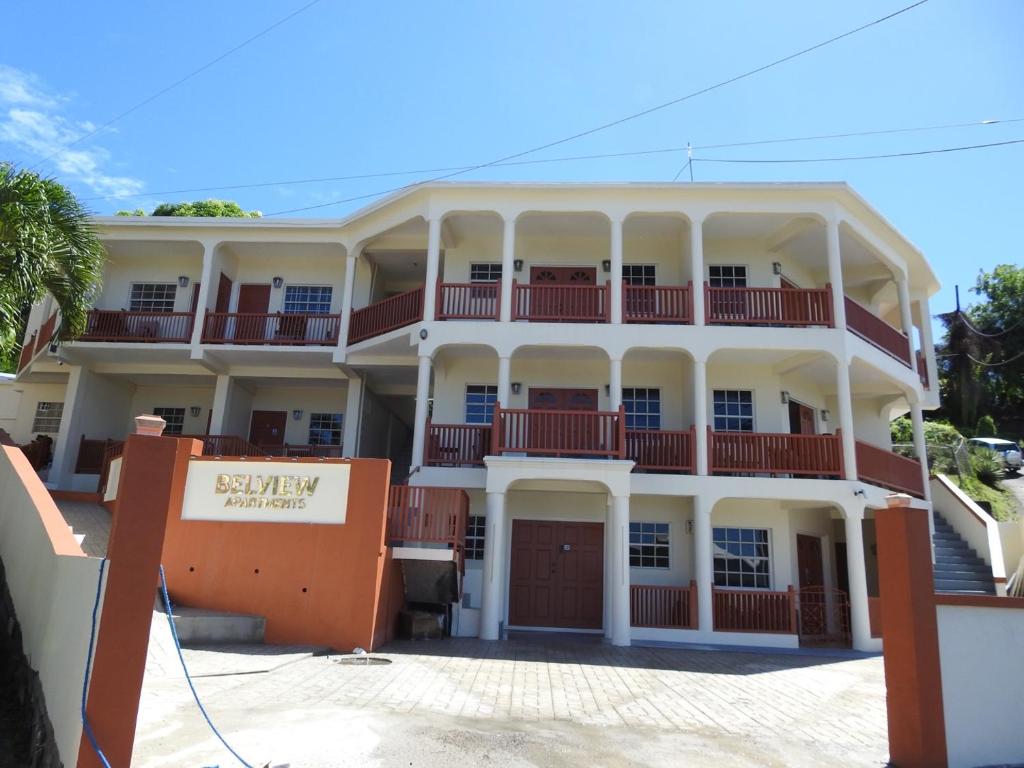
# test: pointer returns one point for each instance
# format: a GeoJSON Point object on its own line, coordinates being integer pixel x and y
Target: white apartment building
{"type": "Point", "coordinates": [669, 404]}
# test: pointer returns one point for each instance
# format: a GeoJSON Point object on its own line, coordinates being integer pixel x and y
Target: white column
{"type": "Point", "coordinates": [347, 293]}
{"type": "Point", "coordinates": [433, 266]}
{"type": "Point", "coordinates": [700, 415]}
{"type": "Point", "coordinates": [927, 345]}
{"type": "Point", "coordinates": [844, 401]}
{"type": "Point", "coordinates": [835, 273]}
{"type": "Point", "coordinates": [702, 573]}
{"type": "Point", "coordinates": [221, 400]}
{"type": "Point", "coordinates": [606, 618]}
{"type": "Point", "coordinates": [920, 448]}
{"type": "Point", "coordinates": [616, 272]}
{"type": "Point", "coordinates": [906, 319]}
{"type": "Point", "coordinates": [491, 611]}
{"type": "Point", "coordinates": [353, 417]}
{"type": "Point", "coordinates": [205, 288]}
{"type": "Point", "coordinates": [508, 255]}
{"type": "Point", "coordinates": [614, 384]}
{"type": "Point", "coordinates": [618, 562]}
{"type": "Point", "coordinates": [65, 448]}
{"type": "Point", "coordinates": [504, 379]}
{"type": "Point", "coordinates": [422, 397]}
{"type": "Point", "coordinates": [697, 268]}
{"type": "Point", "coordinates": [858, 579]}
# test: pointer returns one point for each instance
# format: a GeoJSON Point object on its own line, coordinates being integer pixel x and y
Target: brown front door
{"type": "Point", "coordinates": [224, 293]}
{"type": "Point", "coordinates": [565, 305]}
{"type": "Point", "coordinates": [217, 328]}
{"type": "Point", "coordinates": [801, 419]}
{"type": "Point", "coordinates": [267, 428]}
{"type": "Point", "coordinates": [557, 574]}
{"type": "Point", "coordinates": [813, 603]}
{"type": "Point", "coordinates": [253, 300]}
{"type": "Point", "coordinates": [549, 432]}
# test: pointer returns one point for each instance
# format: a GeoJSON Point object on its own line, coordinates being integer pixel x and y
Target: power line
{"type": "Point", "coordinates": [635, 115]}
{"type": "Point", "coordinates": [967, 324]}
{"type": "Point", "coordinates": [973, 359]}
{"type": "Point", "coordinates": [180, 81]}
{"type": "Point", "coordinates": [856, 157]}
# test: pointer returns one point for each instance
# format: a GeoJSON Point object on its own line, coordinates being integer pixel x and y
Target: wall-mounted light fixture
{"type": "Point", "coordinates": [784, 396]}
{"type": "Point", "coordinates": [608, 389]}
{"type": "Point", "coordinates": [195, 410]}
{"type": "Point", "coordinates": [776, 268]}
{"type": "Point", "coordinates": [278, 281]}
{"type": "Point", "coordinates": [825, 415]}
{"type": "Point", "coordinates": [297, 414]}
{"type": "Point", "coordinates": [424, 333]}
{"type": "Point", "coordinates": [689, 526]}
{"type": "Point", "coordinates": [606, 265]}
{"type": "Point", "coordinates": [515, 386]}
{"type": "Point", "coordinates": [183, 281]}
{"type": "Point", "coordinates": [517, 265]}
{"type": "Point", "coordinates": [53, 349]}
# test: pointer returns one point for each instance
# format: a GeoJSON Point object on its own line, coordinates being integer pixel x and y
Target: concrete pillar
{"type": "Point", "coordinates": [433, 267]}
{"type": "Point", "coordinates": [615, 384]}
{"type": "Point", "coordinates": [700, 415]}
{"type": "Point", "coordinates": [206, 287]}
{"type": "Point", "coordinates": [844, 402]}
{"type": "Point", "coordinates": [422, 397]}
{"type": "Point", "coordinates": [616, 271]}
{"type": "Point", "coordinates": [617, 561]}
{"type": "Point", "coordinates": [491, 610]}
{"type": "Point", "coordinates": [347, 294]}
{"type": "Point", "coordinates": [927, 345]}
{"type": "Point", "coordinates": [508, 255]}
{"type": "Point", "coordinates": [697, 268]}
{"type": "Point", "coordinates": [906, 319]}
{"type": "Point", "coordinates": [221, 402]}
{"type": "Point", "coordinates": [861, 625]}
{"type": "Point", "coordinates": [835, 273]}
{"type": "Point", "coordinates": [353, 418]}
{"type": "Point", "coordinates": [606, 619]}
{"type": "Point", "coordinates": [504, 380]}
{"type": "Point", "coordinates": [920, 448]}
{"type": "Point", "coordinates": [65, 448]}
{"type": "Point", "coordinates": [702, 571]}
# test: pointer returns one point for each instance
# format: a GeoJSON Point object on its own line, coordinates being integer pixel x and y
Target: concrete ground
{"type": "Point", "coordinates": [534, 700]}
{"type": "Point", "coordinates": [1014, 481]}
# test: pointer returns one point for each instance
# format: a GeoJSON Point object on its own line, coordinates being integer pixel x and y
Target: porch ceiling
{"type": "Point", "coordinates": [552, 225]}
{"type": "Point", "coordinates": [400, 265]}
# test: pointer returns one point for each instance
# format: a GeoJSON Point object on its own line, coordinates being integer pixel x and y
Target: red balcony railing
{"type": "Point", "coordinates": [278, 329]}
{"type": "Point", "coordinates": [543, 302]}
{"type": "Point", "coordinates": [122, 325]}
{"type": "Point", "coordinates": [657, 304]}
{"type": "Point", "coordinates": [303, 451]}
{"type": "Point", "coordinates": [754, 610]}
{"type": "Point", "coordinates": [922, 369]}
{"type": "Point", "coordinates": [879, 466]}
{"type": "Point", "coordinates": [663, 607]}
{"type": "Point", "coordinates": [769, 306]}
{"type": "Point", "coordinates": [468, 301]}
{"type": "Point", "coordinates": [655, 450]}
{"type": "Point", "coordinates": [27, 352]}
{"type": "Point", "coordinates": [431, 515]}
{"type": "Point", "coordinates": [874, 330]}
{"type": "Point", "coordinates": [457, 445]}
{"type": "Point", "coordinates": [227, 445]}
{"type": "Point", "coordinates": [91, 453]}
{"type": "Point", "coordinates": [46, 332]}
{"type": "Point", "coordinates": [113, 450]}
{"type": "Point", "coordinates": [775, 454]}
{"type": "Point", "coordinates": [574, 434]}
{"type": "Point", "coordinates": [387, 315]}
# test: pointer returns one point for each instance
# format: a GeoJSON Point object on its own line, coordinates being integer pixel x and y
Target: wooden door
{"type": "Point", "coordinates": [549, 432]}
{"type": "Point", "coordinates": [224, 294]}
{"type": "Point", "coordinates": [195, 296]}
{"type": "Point", "coordinates": [813, 603]}
{"type": "Point", "coordinates": [266, 429]}
{"type": "Point", "coordinates": [557, 574]}
{"type": "Point", "coordinates": [254, 301]}
{"type": "Point", "coordinates": [801, 419]}
{"type": "Point", "coordinates": [219, 327]}
{"type": "Point", "coordinates": [567, 304]}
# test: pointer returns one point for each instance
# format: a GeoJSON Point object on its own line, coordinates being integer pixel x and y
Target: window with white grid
{"type": "Point", "coordinates": [733, 410]}
{"type": "Point", "coordinates": [47, 418]}
{"type": "Point", "coordinates": [152, 297]}
{"type": "Point", "coordinates": [727, 276]}
{"type": "Point", "coordinates": [643, 407]}
{"type": "Point", "coordinates": [638, 274]}
{"type": "Point", "coordinates": [485, 272]}
{"type": "Point", "coordinates": [475, 527]}
{"type": "Point", "coordinates": [742, 557]}
{"type": "Point", "coordinates": [325, 428]}
{"type": "Point", "coordinates": [175, 418]}
{"type": "Point", "coordinates": [648, 545]}
{"type": "Point", "coordinates": [480, 400]}
{"type": "Point", "coordinates": [307, 300]}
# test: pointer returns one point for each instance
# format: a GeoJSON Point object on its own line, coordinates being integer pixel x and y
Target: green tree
{"type": "Point", "coordinates": [208, 208]}
{"type": "Point", "coordinates": [986, 427]}
{"type": "Point", "coordinates": [47, 245]}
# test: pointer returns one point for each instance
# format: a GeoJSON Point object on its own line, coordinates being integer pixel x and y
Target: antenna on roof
{"type": "Point", "coordinates": [689, 159]}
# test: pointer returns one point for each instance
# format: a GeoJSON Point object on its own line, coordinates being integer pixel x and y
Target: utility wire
{"type": "Point", "coordinates": [635, 115]}
{"type": "Point", "coordinates": [139, 105]}
{"type": "Point", "coordinates": [967, 324]}
{"type": "Point", "coordinates": [856, 157]}
{"type": "Point", "coordinates": [994, 365]}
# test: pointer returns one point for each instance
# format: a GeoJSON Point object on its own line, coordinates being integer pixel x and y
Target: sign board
{"type": "Point", "coordinates": [266, 492]}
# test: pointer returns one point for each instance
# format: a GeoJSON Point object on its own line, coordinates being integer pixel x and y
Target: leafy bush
{"type": "Point", "coordinates": [208, 208]}
{"type": "Point", "coordinates": [987, 467]}
{"type": "Point", "coordinates": [986, 427]}
{"type": "Point", "coordinates": [935, 432]}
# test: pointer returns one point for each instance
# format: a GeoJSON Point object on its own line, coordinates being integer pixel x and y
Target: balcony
{"type": "Point", "coordinates": [428, 516]}
{"type": "Point", "coordinates": [547, 303]}
{"type": "Point", "coordinates": [875, 331]}
{"type": "Point", "coordinates": [661, 607]}
{"type": "Point", "coordinates": [387, 315]}
{"type": "Point", "coordinates": [150, 327]}
{"type": "Point", "coordinates": [661, 450]}
{"type": "Point", "coordinates": [775, 454]}
{"type": "Point", "coordinates": [789, 307]}
{"type": "Point", "coordinates": [568, 434]}
{"type": "Point", "coordinates": [27, 352]}
{"type": "Point", "coordinates": [657, 304]}
{"type": "Point", "coordinates": [276, 329]}
{"type": "Point", "coordinates": [754, 610]}
{"type": "Point", "coordinates": [468, 301]}
{"type": "Point", "coordinates": [880, 466]}
{"type": "Point", "coordinates": [457, 445]}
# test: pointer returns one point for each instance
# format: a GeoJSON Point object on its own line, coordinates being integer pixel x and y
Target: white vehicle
{"type": "Point", "coordinates": [1007, 450]}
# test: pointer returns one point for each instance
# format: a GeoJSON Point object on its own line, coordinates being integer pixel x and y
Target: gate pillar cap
{"type": "Point", "coordinates": [148, 424]}
{"type": "Point", "coordinates": [898, 500]}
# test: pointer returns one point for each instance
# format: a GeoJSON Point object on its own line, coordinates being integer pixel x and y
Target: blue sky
{"type": "Point", "coordinates": [346, 88]}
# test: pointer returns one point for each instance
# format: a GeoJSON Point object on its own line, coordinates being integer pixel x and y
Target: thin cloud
{"type": "Point", "coordinates": [31, 121]}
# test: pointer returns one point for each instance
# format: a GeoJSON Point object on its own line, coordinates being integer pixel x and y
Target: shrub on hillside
{"type": "Point", "coordinates": [986, 427]}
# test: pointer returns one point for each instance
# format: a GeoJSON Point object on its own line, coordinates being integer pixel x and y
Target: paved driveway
{"type": "Point", "coordinates": [531, 701]}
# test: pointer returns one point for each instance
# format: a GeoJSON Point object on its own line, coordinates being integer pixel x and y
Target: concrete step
{"type": "Point", "coordinates": [198, 626]}
{"type": "Point", "coordinates": [966, 559]}
{"type": "Point", "coordinates": [957, 591]}
{"type": "Point", "coordinates": [962, 585]}
{"type": "Point", "coordinates": [959, 572]}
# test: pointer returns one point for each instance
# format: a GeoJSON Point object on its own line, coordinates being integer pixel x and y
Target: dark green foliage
{"type": "Point", "coordinates": [208, 208]}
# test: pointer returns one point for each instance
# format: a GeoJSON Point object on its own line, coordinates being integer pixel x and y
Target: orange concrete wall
{"type": "Point", "coordinates": [314, 584]}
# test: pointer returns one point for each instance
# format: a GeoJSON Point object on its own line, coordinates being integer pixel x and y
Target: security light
{"type": "Point", "coordinates": [776, 268]}
{"type": "Point", "coordinates": [278, 281]}
{"type": "Point", "coordinates": [195, 410]}
{"type": "Point", "coordinates": [183, 281]}
{"type": "Point", "coordinates": [784, 397]}
{"type": "Point", "coordinates": [297, 414]}
{"type": "Point", "coordinates": [517, 265]}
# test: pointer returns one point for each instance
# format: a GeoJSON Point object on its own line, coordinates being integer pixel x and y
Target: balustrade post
{"type": "Point", "coordinates": [694, 615]}
{"type": "Point", "coordinates": [608, 301]}
{"type": "Point", "coordinates": [495, 426]}
{"type": "Point", "coordinates": [622, 431]}
{"type": "Point", "coordinates": [514, 300]}
{"type": "Point", "coordinates": [438, 302]}
{"type": "Point", "coordinates": [791, 595]}
{"type": "Point", "coordinates": [689, 300]}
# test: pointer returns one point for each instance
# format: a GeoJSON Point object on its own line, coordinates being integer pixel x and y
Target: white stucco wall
{"type": "Point", "coordinates": [18, 401]}
{"type": "Point", "coordinates": [147, 398]}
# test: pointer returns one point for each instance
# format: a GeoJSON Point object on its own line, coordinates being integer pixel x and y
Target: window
{"type": "Point", "coordinates": [485, 272]}
{"type": "Point", "coordinates": [742, 557]}
{"type": "Point", "coordinates": [175, 418]}
{"type": "Point", "coordinates": [152, 297]}
{"type": "Point", "coordinates": [643, 407]}
{"type": "Point", "coordinates": [475, 527]}
{"type": "Point", "coordinates": [325, 428]}
{"type": "Point", "coordinates": [47, 419]}
{"type": "Point", "coordinates": [307, 299]}
{"type": "Point", "coordinates": [638, 274]}
{"type": "Point", "coordinates": [727, 276]}
{"type": "Point", "coordinates": [480, 400]}
{"type": "Point", "coordinates": [734, 410]}
{"type": "Point", "coordinates": [648, 545]}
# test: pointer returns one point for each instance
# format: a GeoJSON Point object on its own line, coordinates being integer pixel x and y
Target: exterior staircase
{"type": "Point", "coordinates": [958, 567]}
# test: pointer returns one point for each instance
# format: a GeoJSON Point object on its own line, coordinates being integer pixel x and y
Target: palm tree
{"type": "Point", "coordinates": [48, 244]}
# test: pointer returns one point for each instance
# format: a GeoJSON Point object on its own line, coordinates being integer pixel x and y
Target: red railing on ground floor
{"type": "Point", "coordinates": [428, 515]}
{"type": "Point", "coordinates": [769, 306]}
{"type": "Point", "coordinates": [387, 315]}
{"type": "Point", "coordinates": [574, 434]}
{"type": "Point", "coordinates": [91, 454]}
{"type": "Point", "coordinates": [226, 445]}
{"type": "Point", "coordinates": [122, 325]}
{"type": "Point", "coordinates": [663, 607]}
{"type": "Point", "coordinates": [880, 466]}
{"type": "Point", "coordinates": [457, 445]}
{"type": "Point", "coordinates": [661, 450]}
{"type": "Point", "coordinates": [875, 616]}
{"type": "Point", "coordinates": [468, 301]}
{"type": "Point", "coordinates": [775, 453]}
{"type": "Point", "coordinates": [290, 450]}
{"type": "Point", "coordinates": [874, 330]}
{"type": "Point", "coordinates": [277, 329]}
{"type": "Point", "coordinates": [657, 304]}
{"type": "Point", "coordinates": [754, 610]}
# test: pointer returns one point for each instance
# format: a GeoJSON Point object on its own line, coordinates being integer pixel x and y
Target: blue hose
{"type": "Point", "coordinates": [88, 666]}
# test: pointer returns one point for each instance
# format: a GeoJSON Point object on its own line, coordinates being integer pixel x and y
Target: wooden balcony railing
{"type": "Point", "coordinates": [387, 315]}
{"type": "Point", "coordinates": [468, 301]}
{"type": "Point", "coordinates": [457, 445]}
{"type": "Point", "coordinates": [775, 454]}
{"type": "Point", "coordinates": [122, 325]}
{"type": "Point", "coordinates": [91, 454]}
{"type": "Point", "coordinates": [657, 304]}
{"type": "Point", "coordinates": [922, 369]}
{"type": "Point", "coordinates": [227, 445]}
{"type": "Point", "coordinates": [113, 450]}
{"type": "Point", "coordinates": [754, 610]}
{"type": "Point", "coordinates": [573, 434]}
{"type": "Point", "coordinates": [769, 306]}
{"type": "Point", "coordinates": [46, 332]}
{"type": "Point", "coordinates": [290, 450]}
{"type": "Point", "coordinates": [428, 515]}
{"type": "Point", "coordinates": [880, 466]}
{"type": "Point", "coordinates": [874, 330]}
{"type": "Point", "coordinates": [542, 302]}
{"type": "Point", "coordinates": [277, 329]}
{"type": "Point", "coordinates": [655, 450]}
{"type": "Point", "coordinates": [27, 352]}
{"type": "Point", "coordinates": [663, 607]}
